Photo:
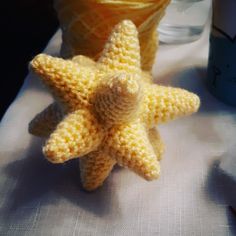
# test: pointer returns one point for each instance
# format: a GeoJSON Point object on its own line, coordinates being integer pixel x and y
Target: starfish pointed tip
{"type": "Point", "coordinates": [153, 174]}
{"type": "Point", "coordinates": [38, 61]}
{"type": "Point", "coordinates": [127, 85]}
{"type": "Point", "coordinates": [195, 101]}
{"type": "Point", "coordinates": [51, 154]}
{"type": "Point", "coordinates": [191, 102]}
{"type": "Point", "coordinates": [128, 24]}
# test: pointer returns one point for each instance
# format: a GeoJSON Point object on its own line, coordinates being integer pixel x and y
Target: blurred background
{"type": "Point", "coordinates": [26, 26]}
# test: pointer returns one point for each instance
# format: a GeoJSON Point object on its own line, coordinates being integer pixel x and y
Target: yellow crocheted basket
{"type": "Point", "coordinates": [86, 25]}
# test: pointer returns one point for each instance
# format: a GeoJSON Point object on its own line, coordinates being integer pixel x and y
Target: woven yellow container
{"type": "Point", "coordinates": [86, 25]}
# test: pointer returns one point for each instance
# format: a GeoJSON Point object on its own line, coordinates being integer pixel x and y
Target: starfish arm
{"type": "Point", "coordinates": [146, 77]}
{"type": "Point", "coordinates": [95, 168]}
{"type": "Point", "coordinates": [161, 104]}
{"type": "Point", "coordinates": [84, 61]}
{"type": "Point", "coordinates": [69, 82]}
{"type": "Point", "coordinates": [157, 143]}
{"type": "Point", "coordinates": [130, 146]}
{"type": "Point", "coordinates": [45, 122]}
{"type": "Point", "coordinates": [122, 51]}
{"type": "Point", "coordinates": [116, 101]}
{"type": "Point", "coordinates": [78, 134]}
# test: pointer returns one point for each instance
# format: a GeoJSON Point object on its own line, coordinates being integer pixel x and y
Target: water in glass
{"type": "Point", "coordinates": [184, 21]}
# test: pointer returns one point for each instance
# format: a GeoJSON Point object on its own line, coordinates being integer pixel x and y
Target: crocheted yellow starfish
{"type": "Point", "coordinates": [106, 110]}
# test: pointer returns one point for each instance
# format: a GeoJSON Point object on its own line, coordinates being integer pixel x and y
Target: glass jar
{"type": "Point", "coordinates": [184, 21]}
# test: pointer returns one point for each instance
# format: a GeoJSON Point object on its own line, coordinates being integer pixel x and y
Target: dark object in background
{"type": "Point", "coordinates": [233, 210]}
{"type": "Point", "coordinates": [26, 27]}
{"type": "Point", "coordinates": [221, 77]}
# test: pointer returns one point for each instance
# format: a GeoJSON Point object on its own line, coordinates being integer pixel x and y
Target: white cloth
{"type": "Point", "coordinates": [39, 198]}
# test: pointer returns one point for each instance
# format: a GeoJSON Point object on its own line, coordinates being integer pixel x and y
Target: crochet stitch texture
{"type": "Point", "coordinates": [106, 111]}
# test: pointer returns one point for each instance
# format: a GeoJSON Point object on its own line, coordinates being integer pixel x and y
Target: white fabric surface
{"type": "Point", "coordinates": [190, 198]}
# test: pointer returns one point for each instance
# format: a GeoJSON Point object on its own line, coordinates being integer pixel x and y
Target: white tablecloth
{"type": "Point", "coordinates": [190, 198]}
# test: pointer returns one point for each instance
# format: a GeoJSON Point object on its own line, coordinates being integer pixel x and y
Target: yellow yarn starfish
{"type": "Point", "coordinates": [106, 110]}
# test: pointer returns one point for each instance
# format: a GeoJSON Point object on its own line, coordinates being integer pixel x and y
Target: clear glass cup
{"type": "Point", "coordinates": [184, 21]}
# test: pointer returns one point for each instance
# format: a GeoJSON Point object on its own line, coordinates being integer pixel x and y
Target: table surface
{"type": "Point", "coordinates": [190, 198]}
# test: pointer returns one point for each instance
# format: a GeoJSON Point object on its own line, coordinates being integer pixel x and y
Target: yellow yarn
{"type": "Point", "coordinates": [45, 123]}
{"type": "Point", "coordinates": [157, 144]}
{"type": "Point", "coordinates": [86, 25]}
{"type": "Point", "coordinates": [94, 169]}
{"type": "Point", "coordinates": [107, 110]}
